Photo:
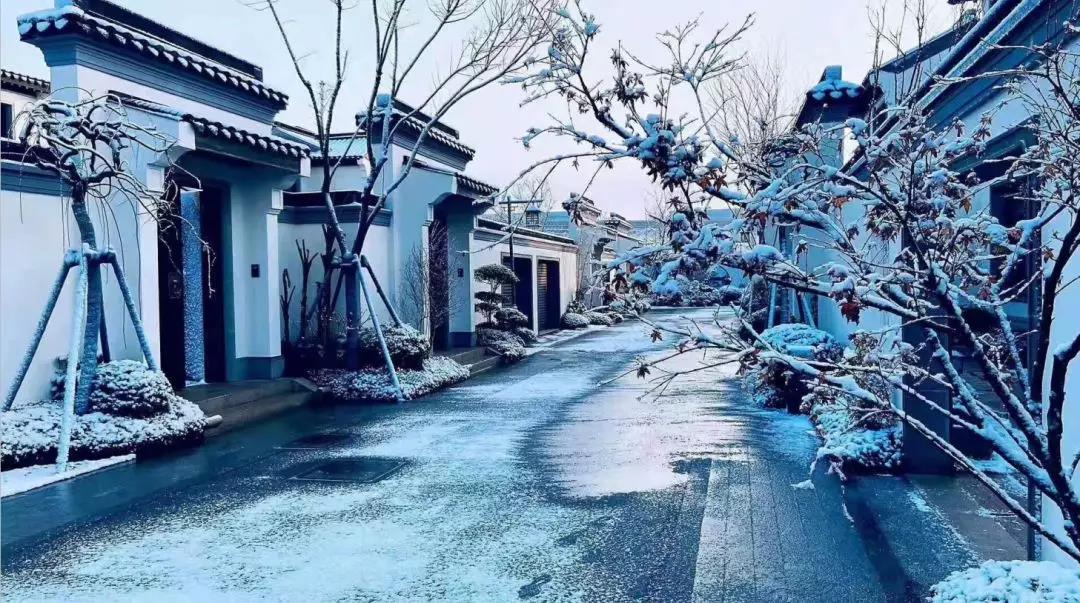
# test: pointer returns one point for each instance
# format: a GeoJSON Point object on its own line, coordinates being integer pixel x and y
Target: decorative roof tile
{"type": "Point", "coordinates": [214, 129]}
{"type": "Point", "coordinates": [437, 132]}
{"type": "Point", "coordinates": [474, 186]}
{"type": "Point", "coordinates": [10, 80]}
{"type": "Point", "coordinates": [71, 19]}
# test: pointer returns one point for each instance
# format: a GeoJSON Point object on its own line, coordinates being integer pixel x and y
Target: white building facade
{"type": "Point", "coordinates": [242, 186]}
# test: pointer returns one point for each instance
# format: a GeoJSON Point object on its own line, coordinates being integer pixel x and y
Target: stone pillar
{"type": "Point", "coordinates": [148, 297]}
{"type": "Point", "coordinates": [191, 248]}
{"type": "Point", "coordinates": [273, 279]}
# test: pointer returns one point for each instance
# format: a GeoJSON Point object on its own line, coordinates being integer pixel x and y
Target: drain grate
{"type": "Point", "coordinates": [317, 440]}
{"type": "Point", "coordinates": [364, 470]}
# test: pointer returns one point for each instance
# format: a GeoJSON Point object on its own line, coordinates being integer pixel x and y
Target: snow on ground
{"type": "Point", "coordinates": [1019, 581]}
{"type": "Point", "coordinates": [464, 520]}
{"type": "Point", "coordinates": [624, 439]}
{"type": "Point", "coordinates": [15, 481]}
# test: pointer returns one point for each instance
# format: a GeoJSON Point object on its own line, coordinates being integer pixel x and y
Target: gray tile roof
{"type": "Point", "coordinates": [71, 19]}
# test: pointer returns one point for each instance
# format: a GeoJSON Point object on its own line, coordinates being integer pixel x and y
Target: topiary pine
{"type": "Point", "coordinates": [494, 276]}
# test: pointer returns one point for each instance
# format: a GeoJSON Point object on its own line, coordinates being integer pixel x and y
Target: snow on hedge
{"type": "Point", "coordinates": [854, 438]}
{"type": "Point", "coordinates": [802, 341]}
{"type": "Point", "coordinates": [29, 433]}
{"type": "Point", "coordinates": [684, 292]}
{"type": "Point", "coordinates": [408, 348]}
{"type": "Point", "coordinates": [1012, 581]}
{"type": "Point", "coordinates": [527, 335]}
{"type": "Point", "coordinates": [571, 320]}
{"type": "Point", "coordinates": [854, 446]}
{"type": "Point", "coordinates": [599, 319]}
{"type": "Point", "coordinates": [506, 344]}
{"type": "Point", "coordinates": [373, 384]}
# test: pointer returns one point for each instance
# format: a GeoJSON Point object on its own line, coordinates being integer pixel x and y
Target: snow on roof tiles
{"type": "Point", "coordinates": [71, 19]}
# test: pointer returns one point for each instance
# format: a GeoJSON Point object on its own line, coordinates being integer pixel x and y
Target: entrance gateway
{"type": "Point", "coordinates": [192, 322]}
{"type": "Point", "coordinates": [547, 294]}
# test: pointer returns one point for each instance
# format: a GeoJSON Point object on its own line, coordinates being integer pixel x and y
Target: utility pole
{"type": "Point", "coordinates": [510, 203]}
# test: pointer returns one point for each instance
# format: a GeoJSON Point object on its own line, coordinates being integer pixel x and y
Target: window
{"type": "Point", "coordinates": [5, 120]}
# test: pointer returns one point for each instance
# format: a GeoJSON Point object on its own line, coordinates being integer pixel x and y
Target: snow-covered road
{"type": "Point", "coordinates": [528, 483]}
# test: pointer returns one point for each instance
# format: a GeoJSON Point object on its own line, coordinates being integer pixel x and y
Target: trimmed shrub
{"type": "Point", "coordinates": [30, 433]}
{"type": "Point", "coordinates": [853, 445]}
{"type": "Point", "coordinates": [495, 273]}
{"type": "Point", "coordinates": [774, 385]}
{"type": "Point", "coordinates": [525, 334]}
{"type": "Point", "coordinates": [374, 384]}
{"type": "Point", "coordinates": [128, 388]}
{"type": "Point", "coordinates": [490, 336]}
{"type": "Point", "coordinates": [509, 318]}
{"type": "Point", "coordinates": [509, 350]}
{"type": "Point", "coordinates": [697, 294]}
{"type": "Point", "coordinates": [504, 343]}
{"type": "Point", "coordinates": [598, 318]}
{"type": "Point", "coordinates": [408, 348]}
{"type": "Point", "coordinates": [802, 341]}
{"type": "Point", "coordinates": [571, 320]}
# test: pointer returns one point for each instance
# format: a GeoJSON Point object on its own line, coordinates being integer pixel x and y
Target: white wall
{"type": "Point", "coordinates": [289, 258]}
{"type": "Point", "coordinates": [35, 232]}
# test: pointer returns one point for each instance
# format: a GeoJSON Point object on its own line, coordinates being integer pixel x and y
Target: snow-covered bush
{"type": "Point", "coordinates": [506, 344]}
{"type": "Point", "coordinates": [129, 388]}
{"type": "Point", "coordinates": [1009, 581]}
{"type": "Point", "coordinates": [615, 317]}
{"type": "Point", "coordinates": [509, 318]}
{"type": "Point", "coordinates": [510, 351]}
{"type": "Point", "coordinates": [373, 384]}
{"type": "Point", "coordinates": [527, 336]}
{"type": "Point", "coordinates": [122, 387]}
{"type": "Point", "coordinates": [775, 385]}
{"type": "Point", "coordinates": [696, 294]}
{"type": "Point", "coordinates": [599, 318]}
{"type": "Point", "coordinates": [577, 306]}
{"type": "Point", "coordinates": [801, 341]}
{"type": "Point", "coordinates": [851, 445]}
{"type": "Point", "coordinates": [408, 348]}
{"type": "Point", "coordinates": [29, 433]}
{"type": "Point", "coordinates": [571, 320]}
{"type": "Point", "coordinates": [495, 276]}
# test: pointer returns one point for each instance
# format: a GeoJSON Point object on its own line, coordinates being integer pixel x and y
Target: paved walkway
{"type": "Point", "coordinates": [527, 483]}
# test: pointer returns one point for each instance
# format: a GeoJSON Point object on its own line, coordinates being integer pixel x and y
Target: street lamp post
{"type": "Point", "coordinates": [510, 203]}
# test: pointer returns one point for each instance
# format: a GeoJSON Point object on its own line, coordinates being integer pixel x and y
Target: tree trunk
{"type": "Point", "coordinates": [94, 309]}
{"type": "Point", "coordinates": [350, 273]}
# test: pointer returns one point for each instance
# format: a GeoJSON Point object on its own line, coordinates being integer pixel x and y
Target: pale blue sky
{"type": "Point", "coordinates": [808, 34]}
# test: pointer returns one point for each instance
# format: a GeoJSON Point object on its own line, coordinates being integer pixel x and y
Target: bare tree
{"type": "Point", "coordinates": [425, 282]}
{"type": "Point", "coordinates": [500, 37]}
{"type": "Point", "coordinates": [87, 145]}
{"type": "Point", "coordinates": [906, 240]}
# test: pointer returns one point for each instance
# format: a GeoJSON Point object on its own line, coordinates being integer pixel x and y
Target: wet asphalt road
{"type": "Point", "coordinates": [530, 483]}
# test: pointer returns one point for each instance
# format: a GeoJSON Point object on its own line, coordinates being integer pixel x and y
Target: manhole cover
{"type": "Point", "coordinates": [365, 470]}
{"type": "Point", "coordinates": [317, 440]}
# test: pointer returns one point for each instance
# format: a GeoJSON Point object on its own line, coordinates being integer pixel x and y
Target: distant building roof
{"type": "Point", "coordinates": [415, 123]}
{"type": "Point", "coordinates": [25, 84]}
